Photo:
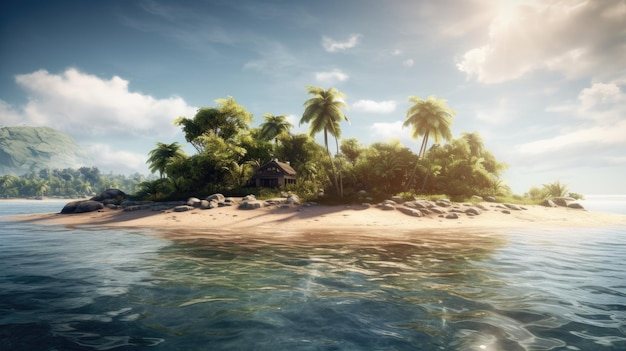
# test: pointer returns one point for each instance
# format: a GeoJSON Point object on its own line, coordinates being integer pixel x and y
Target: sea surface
{"type": "Point", "coordinates": [128, 289]}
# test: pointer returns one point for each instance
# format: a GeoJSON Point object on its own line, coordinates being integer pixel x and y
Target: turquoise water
{"type": "Point", "coordinates": [94, 289]}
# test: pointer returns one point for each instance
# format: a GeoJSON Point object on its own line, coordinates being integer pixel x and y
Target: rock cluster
{"type": "Point", "coordinates": [116, 199]}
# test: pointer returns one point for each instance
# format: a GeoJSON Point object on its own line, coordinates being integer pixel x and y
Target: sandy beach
{"type": "Point", "coordinates": [316, 221]}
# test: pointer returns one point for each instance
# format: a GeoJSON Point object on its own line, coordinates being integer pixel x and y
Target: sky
{"type": "Point", "coordinates": [542, 81]}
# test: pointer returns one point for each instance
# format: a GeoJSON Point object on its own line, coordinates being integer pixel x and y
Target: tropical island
{"type": "Point", "coordinates": [455, 182]}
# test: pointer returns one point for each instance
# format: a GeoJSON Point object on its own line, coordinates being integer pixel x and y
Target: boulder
{"type": "Point", "coordinates": [292, 199]}
{"type": "Point", "coordinates": [89, 206]}
{"type": "Point", "coordinates": [217, 197]}
{"type": "Point", "coordinates": [563, 201]}
{"type": "Point", "coordinates": [489, 198]}
{"type": "Point", "coordinates": [473, 211]}
{"type": "Point", "coordinates": [548, 203]}
{"type": "Point", "coordinates": [182, 208]}
{"type": "Point", "coordinates": [194, 202]}
{"type": "Point", "coordinates": [443, 203]}
{"type": "Point", "coordinates": [438, 210]}
{"type": "Point", "coordinates": [576, 205]}
{"type": "Point", "coordinates": [397, 199]}
{"type": "Point", "coordinates": [71, 207]}
{"type": "Point", "coordinates": [388, 206]}
{"type": "Point", "coordinates": [109, 194]}
{"type": "Point", "coordinates": [410, 211]}
{"type": "Point", "coordinates": [506, 211]}
{"type": "Point", "coordinates": [250, 197]}
{"type": "Point", "coordinates": [513, 207]}
{"type": "Point", "coordinates": [452, 216]}
{"type": "Point", "coordinates": [251, 204]}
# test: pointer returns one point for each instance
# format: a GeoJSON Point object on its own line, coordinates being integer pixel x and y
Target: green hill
{"type": "Point", "coordinates": [27, 149]}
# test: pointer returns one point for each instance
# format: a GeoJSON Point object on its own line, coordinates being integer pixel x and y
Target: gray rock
{"type": "Point", "coordinates": [71, 207]}
{"type": "Point", "coordinates": [114, 194]}
{"type": "Point", "coordinates": [506, 211]}
{"type": "Point", "coordinates": [182, 208]}
{"type": "Point", "coordinates": [397, 199]}
{"type": "Point", "coordinates": [251, 204]}
{"type": "Point", "coordinates": [292, 199]}
{"type": "Point", "coordinates": [489, 198]}
{"type": "Point", "coordinates": [410, 211]}
{"type": "Point", "coordinates": [194, 202]}
{"type": "Point", "coordinates": [452, 216]}
{"type": "Point", "coordinates": [249, 198]}
{"type": "Point", "coordinates": [438, 210]}
{"type": "Point", "coordinates": [563, 201]}
{"type": "Point", "coordinates": [513, 207]}
{"type": "Point", "coordinates": [473, 211]}
{"type": "Point", "coordinates": [388, 206]}
{"type": "Point", "coordinates": [217, 197]}
{"type": "Point", "coordinates": [576, 205]}
{"type": "Point", "coordinates": [89, 206]}
{"type": "Point", "coordinates": [443, 203]}
{"type": "Point", "coordinates": [548, 203]}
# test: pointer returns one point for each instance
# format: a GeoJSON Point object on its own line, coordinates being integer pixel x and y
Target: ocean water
{"type": "Point", "coordinates": [102, 289]}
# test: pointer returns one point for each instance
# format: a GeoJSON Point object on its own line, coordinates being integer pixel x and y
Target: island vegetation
{"type": "Point", "coordinates": [228, 149]}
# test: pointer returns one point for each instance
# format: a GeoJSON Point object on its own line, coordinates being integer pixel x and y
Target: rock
{"type": "Point", "coordinates": [438, 210]}
{"type": "Point", "coordinates": [513, 207]}
{"type": "Point", "coordinates": [218, 197]}
{"type": "Point", "coordinates": [474, 211]}
{"type": "Point", "coordinates": [113, 194]}
{"type": "Point", "coordinates": [548, 203]}
{"type": "Point", "coordinates": [563, 201]}
{"type": "Point", "coordinates": [476, 197]}
{"type": "Point", "coordinates": [443, 203]}
{"type": "Point", "coordinates": [182, 208]}
{"type": "Point", "coordinates": [194, 202]}
{"type": "Point", "coordinates": [89, 206]}
{"type": "Point", "coordinates": [576, 205]}
{"type": "Point", "coordinates": [251, 204]}
{"type": "Point", "coordinates": [292, 199]}
{"type": "Point", "coordinates": [506, 211]}
{"type": "Point", "coordinates": [452, 216]}
{"type": "Point", "coordinates": [482, 207]}
{"type": "Point", "coordinates": [410, 211]}
{"type": "Point", "coordinates": [489, 198]}
{"type": "Point", "coordinates": [71, 207]}
{"type": "Point", "coordinates": [388, 206]}
{"type": "Point", "coordinates": [397, 199]}
{"type": "Point", "coordinates": [249, 198]}
{"type": "Point", "coordinates": [229, 201]}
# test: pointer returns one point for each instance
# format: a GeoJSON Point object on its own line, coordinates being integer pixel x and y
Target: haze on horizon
{"type": "Point", "coordinates": [541, 81]}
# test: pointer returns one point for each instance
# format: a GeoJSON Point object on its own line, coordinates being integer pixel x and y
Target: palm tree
{"type": "Point", "coordinates": [323, 112]}
{"type": "Point", "coordinates": [163, 155]}
{"type": "Point", "coordinates": [274, 126]}
{"type": "Point", "coordinates": [430, 117]}
{"type": "Point", "coordinates": [475, 143]}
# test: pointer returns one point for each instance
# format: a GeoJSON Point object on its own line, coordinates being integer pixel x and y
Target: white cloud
{"type": "Point", "coordinates": [332, 45]}
{"type": "Point", "coordinates": [408, 62]}
{"type": "Point", "coordinates": [331, 77]}
{"type": "Point", "coordinates": [576, 38]}
{"type": "Point", "coordinates": [385, 132]}
{"type": "Point", "coordinates": [596, 134]}
{"type": "Point", "coordinates": [86, 106]}
{"type": "Point", "coordinates": [122, 162]}
{"type": "Point", "coordinates": [375, 107]}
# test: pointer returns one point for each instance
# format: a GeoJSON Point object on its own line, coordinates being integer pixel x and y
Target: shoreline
{"type": "Point", "coordinates": [322, 223]}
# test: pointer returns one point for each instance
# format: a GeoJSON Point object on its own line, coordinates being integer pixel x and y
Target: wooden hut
{"type": "Point", "coordinates": [274, 174]}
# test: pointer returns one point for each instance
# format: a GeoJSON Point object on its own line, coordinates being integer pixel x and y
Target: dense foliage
{"type": "Point", "coordinates": [68, 182]}
{"type": "Point", "coordinates": [229, 150]}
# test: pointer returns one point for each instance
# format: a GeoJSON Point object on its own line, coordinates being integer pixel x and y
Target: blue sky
{"type": "Point", "coordinates": [542, 81]}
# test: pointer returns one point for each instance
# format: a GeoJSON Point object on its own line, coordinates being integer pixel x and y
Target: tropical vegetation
{"type": "Point", "coordinates": [228, 150]}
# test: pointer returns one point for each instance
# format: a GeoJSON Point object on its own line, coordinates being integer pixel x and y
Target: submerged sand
{"type": "Point", "coordinates": [318, 222]}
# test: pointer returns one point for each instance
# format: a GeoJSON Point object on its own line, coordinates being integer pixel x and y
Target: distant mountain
{"type": "Point", "coordinates": [27, 149]}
